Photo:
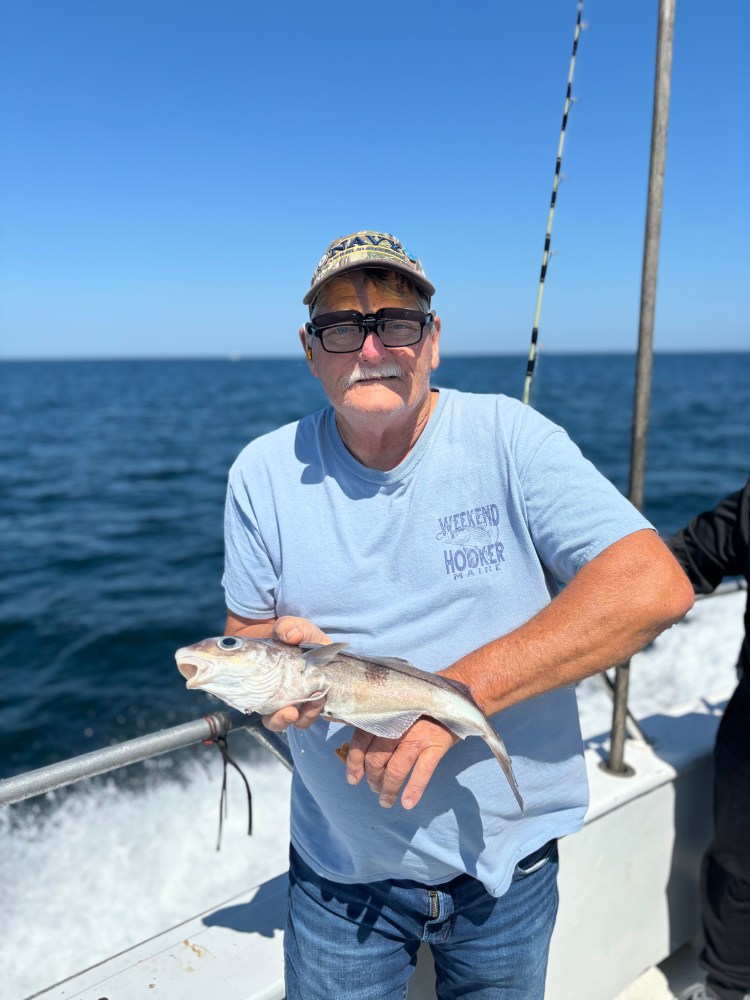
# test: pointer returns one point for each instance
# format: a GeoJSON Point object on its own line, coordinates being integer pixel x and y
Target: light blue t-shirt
{"type": "Point", "coordinates": [462, 542]}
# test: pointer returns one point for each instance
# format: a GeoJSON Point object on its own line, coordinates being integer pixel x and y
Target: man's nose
{"type": "Point", "coordinates": [373, 347]}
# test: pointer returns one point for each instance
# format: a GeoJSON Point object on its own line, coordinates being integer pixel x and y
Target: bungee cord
{"type": "Point", "coordinates": [569, 100]}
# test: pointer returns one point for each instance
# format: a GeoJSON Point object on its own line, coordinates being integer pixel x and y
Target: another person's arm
{"type": "Point", "coordinates": [715, 544]}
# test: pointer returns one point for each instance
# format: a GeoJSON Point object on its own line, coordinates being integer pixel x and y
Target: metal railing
{"type": "Point", "coordinates": [88, 765]}
{"type": "Point", "coordinates": [627, 723]}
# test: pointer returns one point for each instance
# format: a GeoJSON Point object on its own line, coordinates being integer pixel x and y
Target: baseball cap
{"type": "Point", "coordinates": [367, 249]}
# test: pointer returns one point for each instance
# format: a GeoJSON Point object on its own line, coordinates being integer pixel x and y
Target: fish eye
{"type": "Point", "coordinates": [229, 642]}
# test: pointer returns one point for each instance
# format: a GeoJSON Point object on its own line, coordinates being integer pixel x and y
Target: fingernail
{"type": "Point", "coordinates": [407, 803]}
{"type": "Point", "coordinates": [351, 778]}
{"type": "Point", "coordinates": [386, 803]}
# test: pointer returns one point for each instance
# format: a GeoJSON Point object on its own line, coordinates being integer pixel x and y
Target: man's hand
{"type": "Point", "coordinates": [296, 631]}
{"type": "Point", "coordinates": [386, 763]}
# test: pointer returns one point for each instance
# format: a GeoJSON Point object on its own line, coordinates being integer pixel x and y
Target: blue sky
{"type": "Point", "coordinates": [171, 170]}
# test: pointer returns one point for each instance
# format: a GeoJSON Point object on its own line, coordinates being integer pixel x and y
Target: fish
{"type": "Point", "coordinates": [381, 695]}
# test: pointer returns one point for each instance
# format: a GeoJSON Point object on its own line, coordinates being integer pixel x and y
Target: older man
{"type": "Point", "coordinates": [436, 526]}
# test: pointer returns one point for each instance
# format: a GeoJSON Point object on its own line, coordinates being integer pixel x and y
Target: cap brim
{"type": "Point", "coordinates": [416, 279]}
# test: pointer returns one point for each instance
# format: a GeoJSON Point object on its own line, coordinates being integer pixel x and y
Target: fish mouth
{"type": "Point", "coordinates": [188, 670]}
{"type": "Point", "coordinates": [188, 667]}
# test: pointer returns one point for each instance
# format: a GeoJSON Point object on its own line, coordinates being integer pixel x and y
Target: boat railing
{"type": "Point", "coordinates": [630, 725]}
{"type": "Point", "coordinates": [210, 728]}
{"type": "Point", "coordinates": [207, 729]}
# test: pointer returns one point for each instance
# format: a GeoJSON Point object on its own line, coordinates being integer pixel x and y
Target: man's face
{"type": "Point", "coordinates": [375, 379]}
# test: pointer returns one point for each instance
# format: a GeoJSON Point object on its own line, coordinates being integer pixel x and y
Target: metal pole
{"type": "Point", "coordinates": [87, 765]}
{"type": "Point", "coordinates": [275, 743]}
{"type": "Point", "coordinates": [641, 401]}
{"type": "Point", "coordinates": [633, 728]}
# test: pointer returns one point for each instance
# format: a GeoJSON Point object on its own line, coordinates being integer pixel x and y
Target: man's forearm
{"type": "Point", "coordinates": [613, 607]}
{"type": "Point", "coordinates": [257, 628]}
{"type": "Point", "coordinates": [286, 629]}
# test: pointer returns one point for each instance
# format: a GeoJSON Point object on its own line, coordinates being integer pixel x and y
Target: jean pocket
{"type": "Point", "coordinates": [536, 860]}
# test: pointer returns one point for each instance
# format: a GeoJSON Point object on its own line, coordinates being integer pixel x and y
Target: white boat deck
{"type": "Point", "coordinates": [667, 980]}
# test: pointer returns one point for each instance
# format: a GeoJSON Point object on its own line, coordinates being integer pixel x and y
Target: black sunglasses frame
{"type": "Point", "coordinates": [367, 323]}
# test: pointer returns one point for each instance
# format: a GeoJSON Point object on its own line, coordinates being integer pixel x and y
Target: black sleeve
{"type": "Point", "coordinates": [715, 544]}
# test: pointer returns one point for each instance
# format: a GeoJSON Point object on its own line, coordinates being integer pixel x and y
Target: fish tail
{"type": "Point", "coordinates": [501, 755]}
{"type": "Point", "coordinates": [495, 742]}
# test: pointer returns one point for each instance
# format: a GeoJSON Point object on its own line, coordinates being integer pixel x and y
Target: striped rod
{"type": "Point", "coordinates": [548, 235]}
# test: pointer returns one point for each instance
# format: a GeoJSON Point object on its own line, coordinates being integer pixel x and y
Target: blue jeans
{"type": "Point", "coordinates": [359, 942]}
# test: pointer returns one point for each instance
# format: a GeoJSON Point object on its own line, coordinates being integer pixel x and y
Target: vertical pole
{"type": "Point", "coordinates": [642, 397]}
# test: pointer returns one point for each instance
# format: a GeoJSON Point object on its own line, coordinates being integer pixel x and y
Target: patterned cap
{"type": "Point", "coordinates": [367, 249]}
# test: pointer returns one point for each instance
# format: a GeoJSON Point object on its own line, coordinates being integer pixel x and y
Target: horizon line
{"type": "Point", "coordinates": [239, 357]}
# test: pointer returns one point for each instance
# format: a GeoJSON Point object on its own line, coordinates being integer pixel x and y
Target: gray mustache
{"type": "Point", "coordinates": [388, 369]}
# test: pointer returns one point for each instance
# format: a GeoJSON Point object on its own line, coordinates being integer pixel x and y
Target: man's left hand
{"type": "Point", "coordinates": [386, 763]}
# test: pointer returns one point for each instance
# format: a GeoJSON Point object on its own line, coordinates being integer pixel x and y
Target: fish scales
{"type": "Point", "coordinates": [381, 695]}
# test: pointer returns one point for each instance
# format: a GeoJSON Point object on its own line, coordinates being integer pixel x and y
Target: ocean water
{"type": "Point", "coordinates": [113, 477]}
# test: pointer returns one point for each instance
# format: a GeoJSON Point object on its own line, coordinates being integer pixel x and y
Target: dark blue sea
{"type": "Point", "coordinates": [113, 477]}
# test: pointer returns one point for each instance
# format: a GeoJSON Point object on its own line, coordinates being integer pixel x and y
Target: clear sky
{"type": "Point", "coordinates": [171, 170]}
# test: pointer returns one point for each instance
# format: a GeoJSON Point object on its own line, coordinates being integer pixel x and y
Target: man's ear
{"type": "Point", "coordinates": [306, 341]}
{"type": "Point", "coordinates": [435, 343]}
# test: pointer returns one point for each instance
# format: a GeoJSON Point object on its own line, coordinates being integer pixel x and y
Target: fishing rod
{"type": "Point", "coordinates": [555, 184]}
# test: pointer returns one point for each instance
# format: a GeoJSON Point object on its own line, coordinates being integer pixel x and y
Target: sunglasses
{"type": "Point", "coordinates": [345, 331]}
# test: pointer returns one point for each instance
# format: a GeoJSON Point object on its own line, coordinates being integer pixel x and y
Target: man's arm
{"type": "Point", "coordinates": [613, 607]}
{"type": "Point", "coordinates": [258, 628]}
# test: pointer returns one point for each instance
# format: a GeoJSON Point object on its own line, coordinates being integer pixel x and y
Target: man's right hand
{"type": "Point", "coordinates": [296, 631]}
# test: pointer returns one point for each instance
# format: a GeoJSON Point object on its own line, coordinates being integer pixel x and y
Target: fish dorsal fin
{"type": "Point", "coordinates": [394, 662]}
{"type": "Point", "coordinates": [319, 655]}
{"type": "Point", "coordinates": [462, 688]}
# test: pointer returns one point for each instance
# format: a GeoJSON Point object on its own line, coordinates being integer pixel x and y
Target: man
{"type": "Point", "coordinates": [434, 526]}
{"type": "Point", "coordinates": [714, 545]}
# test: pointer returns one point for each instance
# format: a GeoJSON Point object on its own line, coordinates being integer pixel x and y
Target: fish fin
{"type": "Point", "coordinates": [501, 755]}
{"type": "Point", "coordinates": [464, 689]}
{"type": "Point", "coordinates": [394, 662]}
{"type": "Point", "coordinates": [319, 656]}
{"type": "Point", "coordinates": [390, 726]}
